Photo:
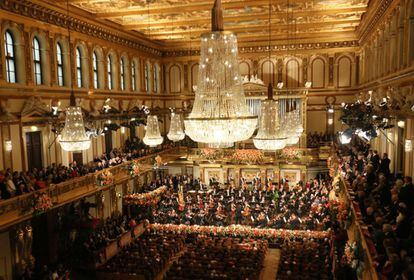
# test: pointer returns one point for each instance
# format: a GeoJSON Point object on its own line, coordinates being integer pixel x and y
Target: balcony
{"type": "Point", "coordinates": [20, 208]}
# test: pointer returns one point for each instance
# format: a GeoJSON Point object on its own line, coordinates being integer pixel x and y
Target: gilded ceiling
{"type": "Point", "coordinates": [178, 21]}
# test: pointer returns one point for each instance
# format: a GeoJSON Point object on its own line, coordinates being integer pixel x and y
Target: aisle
{"type": "Point", "coordinates": [270, 265]}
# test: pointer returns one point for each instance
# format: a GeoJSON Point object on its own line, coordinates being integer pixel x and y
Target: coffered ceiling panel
{"type": "Point", "coordinates": [179, 21]}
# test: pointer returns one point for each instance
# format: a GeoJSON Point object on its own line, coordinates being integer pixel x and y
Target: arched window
{"type": "Point", "coordinates": [95, 71]}
{"type": "Point", "coordinates": [110, 80]}
{"type": "Point", "coordinates": [59, 59]}
{"type": "Point", "coordinates": [344, 72]}
{"type": "Point", "coordinates": [37, 64]}
{"type": "Point", "coordinates": [122, 65]}
{"type": "Point", "coordinates": [79, 68]}
{"type": "Point", "coordinates": [155, 86]}
{"type": "Point", "coordinates": [175, 79]}
{"type": "Point", "coordinates": [10, 57]}
{"type": "Point", "coordinates": [146, 76]}
{"type": "Point", "coordinates": [133, 76]}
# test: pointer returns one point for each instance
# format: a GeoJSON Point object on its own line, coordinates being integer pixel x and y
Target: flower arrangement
{"type": "Point", "coordinates": [291, 153]}
{"type": "Point", "coordinates": [41, 203]}
{"type": "Point", "coordinates": [134, 168]}
{"type": "Point", "coordinates": [237, 231]}
{"type": "Point", "coordinates": [247, 156]}
{"type": "Point", "coordinates": [342, 212]}
{"type": "Point", "coordinates": [211, 154]}
{"type": "Point", "coordinates": [142, 199]}
{"type": "Point", "coordinates": [354, 256]}
{"type": "Point", "coordinates": [104, 178]}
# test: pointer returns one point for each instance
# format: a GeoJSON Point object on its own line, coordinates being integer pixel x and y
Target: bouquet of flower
{"type": "Point", "coordinates": [134, 168]}
{"type": "Point", "coordinates": [41, 203]}
{"type": "Point", "coordinates": [350, 254]}
{"type": "Point", "coordinates": [247, 157]}
{"type": "Point", "coordinates": [142, 199]}
{"type": "Point", "coordinates": [104, 178]}
{"type": "Point", "coordinates": [211, 154]}
{"type": "Point", "coordinates": [291, 153]}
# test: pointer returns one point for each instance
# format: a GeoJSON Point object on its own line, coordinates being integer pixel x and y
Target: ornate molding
{"type": "Point", "coordinates": [366, 29]}
{"type": "Point", "coordinates": [262, 49]}
{"type": "Point", "coordinates": [38, 12]}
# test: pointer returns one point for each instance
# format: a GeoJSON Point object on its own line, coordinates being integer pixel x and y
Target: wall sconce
{"type": "Point", "coordinates": [122, 130]}
{"type": "Point", "coordinates": [33, 128]}
{"type": "Point", "coordinates": [308, 84]}
{"type": "Point", "coordinates": [8, 145]}
{"type": "Point", "coordinates": [401, 124]}
{"type": "Point", "coordinates": [408, 147]}
{"type": "Point", "coordinates": [330, 121]}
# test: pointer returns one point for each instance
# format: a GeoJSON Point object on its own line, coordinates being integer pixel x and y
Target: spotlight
{"type": "Point", "coordinates": [345, 137]}
{"type": "Point", "coordinates": [280, 86]}
{"type": "Point", "coordinates": [384, 102]}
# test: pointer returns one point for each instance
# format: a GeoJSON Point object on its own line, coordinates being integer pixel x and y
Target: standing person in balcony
{"type": "Point", "coordinates": [375, 160]}
{"type": "Point", "coordinates": [384, 167]}
{"type": "Point", "coordinates": [406, 194]}
{"type": "Point", "coordinates": [11, 187]}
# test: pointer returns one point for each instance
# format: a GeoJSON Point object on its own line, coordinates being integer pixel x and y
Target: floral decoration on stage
{"type": "Point", "coordinates": [41, 203]}
{"type": "Point", "coordinates": [291, 153]}
{"type": "Point", "coordinates": [142, 199]}
{"type": "Point", "coordinates": [237, 231]}
{"type": "Point", "coordinates": [105, 178]}
{"type": "Point", "coordinates": [134, 168]}
{"type": "Point", "coordinates": [247, 156]}
{"type": "Point", "coordinates": [239, 156]}
{"type": "Point", "coordinates": [211, 154]}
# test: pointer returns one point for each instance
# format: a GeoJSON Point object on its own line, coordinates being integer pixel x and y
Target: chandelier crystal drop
{"type": "Point", "coordinates": [176, 132]}
{"type": "Point", "coordinates": [220, 112]}
{"type": "Point", "coordinates": [73, 136]}
{"type": "Point", "coordinates": [152, 136]}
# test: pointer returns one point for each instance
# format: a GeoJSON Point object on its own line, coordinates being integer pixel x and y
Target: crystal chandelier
{"type": "Point", "coordinates": [291, 121]}
{"type": "Point", "coordinates": [152, 136]}
{"type": "Point", "coordinates": [270, 135]}
{"type": "Point", "coordinates": [73, 136]}
{"type": "Point", "coordinates": [176, 132]}
{"type": "Point", "coordinates": [220, 112]}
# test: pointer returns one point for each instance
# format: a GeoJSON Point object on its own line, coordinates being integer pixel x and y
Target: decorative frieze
{"type": "Point", "coordinates": [261, 49]}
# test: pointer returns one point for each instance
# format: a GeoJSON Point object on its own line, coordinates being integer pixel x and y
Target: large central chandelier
{"type": "Point", "coordinates": [220, 112]}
